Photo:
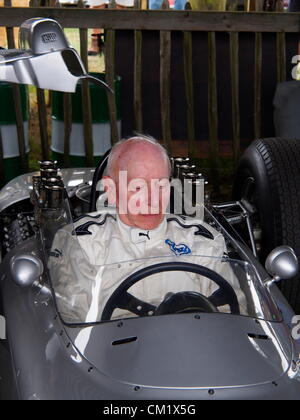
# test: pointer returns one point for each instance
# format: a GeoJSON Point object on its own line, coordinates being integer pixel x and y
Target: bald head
{"type": "Point", "coordinates": [140, 170]}
{"type": "Point", "coordinates": [135, 151]}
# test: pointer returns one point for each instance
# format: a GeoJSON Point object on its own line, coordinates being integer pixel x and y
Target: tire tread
{"type": "Point", "coordinates": [282, 163]}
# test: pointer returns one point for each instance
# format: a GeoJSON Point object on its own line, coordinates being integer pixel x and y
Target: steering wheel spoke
{"type": "Point", "coordinates": [218, 298]}
{"type": "Point", "coordinates": [132, 304]}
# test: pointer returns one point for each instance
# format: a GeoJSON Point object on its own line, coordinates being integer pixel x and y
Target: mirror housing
{"type": "Point", "coordinates": [42, 36]}
{"type": "Point", "coordinates": [45, 59]}
{"type": "Point", "coordinates": [26, 269]}
{"type": "Point", "coordinates": [282, 264]}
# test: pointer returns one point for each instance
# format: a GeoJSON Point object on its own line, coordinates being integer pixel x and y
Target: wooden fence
{"type": "Point", "coordinates": [164, 22]}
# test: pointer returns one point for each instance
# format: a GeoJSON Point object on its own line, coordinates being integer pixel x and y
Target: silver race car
{"type": "Point", "coordinates": [239, 341]}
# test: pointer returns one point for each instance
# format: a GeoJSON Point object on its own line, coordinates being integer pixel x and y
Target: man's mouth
{"type": "Point", "coordinates": [152, 213]}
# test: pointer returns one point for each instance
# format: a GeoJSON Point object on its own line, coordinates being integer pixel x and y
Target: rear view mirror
{"type": "Point", "coordinates": [45, 59]}
{"type": "Point", "coordinates": [282, 264]}
{"type": "Point", "coordinates": [26, 269]}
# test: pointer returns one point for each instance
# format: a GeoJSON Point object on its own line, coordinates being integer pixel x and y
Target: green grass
{"type": "Point", "coordinates": [95, 63]}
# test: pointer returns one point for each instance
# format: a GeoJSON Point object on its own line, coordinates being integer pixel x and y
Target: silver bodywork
{"type": "Point", "coordinates": [182, 356]}
{"type": "Point", "coordinates": [19, 188]}
{"type": "Point", "coordinates": [44, 53]}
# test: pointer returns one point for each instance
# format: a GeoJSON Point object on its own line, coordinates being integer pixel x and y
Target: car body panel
{"type": "Point", "coordinates": [181, 356]}
{"type": "Point", "coordinates": [186, 351]}
{"type": "Point", "coordinates": [19, 188]}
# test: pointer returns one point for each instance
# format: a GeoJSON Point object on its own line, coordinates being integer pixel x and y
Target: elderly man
{"type": "Point", "coordinates": [91, 260]}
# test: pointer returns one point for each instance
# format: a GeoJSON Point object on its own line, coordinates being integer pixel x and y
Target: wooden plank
{"type": "Point", "coordinates": [137, 88]}
{"type": "Point", "coordinates": [42, 113]}
{"type": "Point", "coordinates": [189, 91]}
{"type": "Point", "coordinates": [137, 78]}
{"type": "Point", "coordinates": [2, 174]}
{"type": "Point", "coordinates": [165, 87]}
{"type": "Point", "coordinates": [17, 101]}
{"type": "Point", "coordinates": [257, 85]}
{"type": "Point", "coordinates": [20, 127]}
{"type": "Point", "coordinates": [234, 69]}
{"type": "Point", "coordinates": [86, 101]}
{"type": "Point", "coordinates": [259, 5]}
{"type": "Point", "coordinates": [165, 71]}
{"type": "Point", "coordinates": [281, 57]}
{"type": "Point", "coordinates": [10, 37]}
{"type": "Point", "coordinates": [213, 111]}
{"type": "Point", "coordinates": [67, 128]}
{"type": "Point", "coordinates": [87, 122]}
{"type": "Point", "coordinates": [258, 76]}
{"type": "Point", "coordinates": [158, 19]}
{"type": "Point", "coordinates": [110, 80]}
{"type": "Point", "coordinates": [189, 88]}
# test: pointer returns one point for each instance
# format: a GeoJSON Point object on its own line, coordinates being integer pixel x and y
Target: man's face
{"type": "Point", "coordinates": [142, 188]}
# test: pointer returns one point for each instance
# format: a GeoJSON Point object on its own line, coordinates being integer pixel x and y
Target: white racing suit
{"type": "Point", "coordinates": [91, 258]}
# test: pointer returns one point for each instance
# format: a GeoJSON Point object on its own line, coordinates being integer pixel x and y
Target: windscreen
{"type": "Point", "coordinates": [94, 281]}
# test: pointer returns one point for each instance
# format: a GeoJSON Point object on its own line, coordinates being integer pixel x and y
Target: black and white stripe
{"type": "Point", "coordinates": [202, 231]}
{"type": "Point", "coordinates": [84, 228]}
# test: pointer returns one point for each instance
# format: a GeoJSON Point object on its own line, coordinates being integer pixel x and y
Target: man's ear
{"type": "Point", "coordinates": [109, 186]}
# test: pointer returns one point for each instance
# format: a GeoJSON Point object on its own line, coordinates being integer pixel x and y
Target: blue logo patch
{"type": "Point", "coordinates": [180, 249]}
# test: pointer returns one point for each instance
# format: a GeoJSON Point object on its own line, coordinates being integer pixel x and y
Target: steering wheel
{"type": "Point", "coordinates": [121, 299]}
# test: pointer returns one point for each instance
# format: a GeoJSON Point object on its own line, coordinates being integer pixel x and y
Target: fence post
{"type": "Point", "coordinates": [86, 101]}
{"type": "Point", "coordinates": [42, 110]}
{"type": "Point", "coordinates": [234, 68]}
{"type": "Point", "coordinates": [67, 128]}
{"type": "Point", "coordinates": [2, 175]}
{"type": "Point", "coordinates": [67, 105]}
{"type": "Point", "coordinates": [189, 88]}
{"type": "Point", "coordinates": [165, 71]}
{"type": "Point", "coordinates": [257, 78]}
{"type": "Point", "coordinates": [281, 57]}
{"type": "Point", "coordinates": [110, 78]}
{"type": "Point", "coordinates": [189, 91]}
{"type": "Point", "coordinates": [138, 41]}
{"type": "Point", "coordinates": [17, 102]}
{"type": "Point", "coordinates": [281, 49]}
{"type": "Point", "coordinates": [213, 111]}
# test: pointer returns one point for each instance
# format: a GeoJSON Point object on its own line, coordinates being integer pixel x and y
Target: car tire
{"type": "Point", "coordinates": [269, 172]}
